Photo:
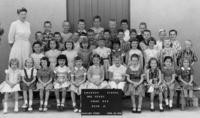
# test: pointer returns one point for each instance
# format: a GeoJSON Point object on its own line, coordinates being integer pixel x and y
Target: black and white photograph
{"type": "Point", "coordinates": [99, 58]}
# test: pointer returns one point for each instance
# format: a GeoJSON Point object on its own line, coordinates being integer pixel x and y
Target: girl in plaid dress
{"type": "Point", "coordinates": [154, 80]}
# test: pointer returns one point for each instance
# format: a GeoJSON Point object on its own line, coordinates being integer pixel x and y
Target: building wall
{"type": "Point", "coordinates": [182, 15]}
{"type": "Point", "coordinates": [38, 12]}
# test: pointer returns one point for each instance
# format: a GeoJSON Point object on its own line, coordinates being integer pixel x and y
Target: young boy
{"type": "Point", "coordinates": [98, 30]}
{"type": "Point", "coordinates": [175, 43]}
{"type": "Point", "coordinates": [81, 26]}
{"type": "Point", "coordinates": [113, 28]}
{"type": "Point", "coordinates": [142, 27]}
{"type": "Point", "coordinates": [146, 36]}
{"type": "Point", "coordinates": [91, 39]}
{"type": "Point", "coordinates": [125, 45]}
{"type": "Point", "coordinates": [124, 26]}
{"type": "Point", "coordinates": [47, 34]}
{"type": "Point", "coordinates": [117, 74]}
{"type": "Point", "coordinates": [107, 38]}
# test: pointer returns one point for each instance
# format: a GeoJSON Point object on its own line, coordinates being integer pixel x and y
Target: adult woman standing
{"type": "Point", "coordinates": [18, 38]}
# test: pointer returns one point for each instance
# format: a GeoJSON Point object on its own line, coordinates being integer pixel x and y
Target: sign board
{"type": "Point", "coordinates": [101, 102]}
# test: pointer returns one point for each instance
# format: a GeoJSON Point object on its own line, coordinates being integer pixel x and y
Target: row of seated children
{"type": "Point", "coordinates": [130, 79]}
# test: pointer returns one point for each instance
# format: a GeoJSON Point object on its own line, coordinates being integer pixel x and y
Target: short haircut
{"type": "Point", "coordinates": [81, 20]}
{"type": "Point", "coordinates": [106, 30]}
{"type": "Point", "coordinates": [143, 23]}
{"type": "Point", "coordinates": [147, 31]}
{"type": "Point", "coordinates": [90, 30]}
{"type": "Point", "coordinates": [38, 32]}
{"type": "Point", "coordinates": [120, 30]}
{"type": "Point", "coordinates": [21, 10]}
{"type": "Point", "coordinates": [124, 21]}
{"type": "Point", "coordinates": [77, 58]}
{"type": "Point", "coordinates": [47, 22]}
{"type": "Point", "coordinates": [135, 56]}
{"type": "Point", "coordinates": [133, 30]}
{"type": "Point", "coordinates": [35, 43]}
{"type": "Point", "coordinates": [97, 17]}
{"type": "Point", "coordinates": [116, 42]}
{"type": "Point", "coordinates": [173, 30]}
{"type": "Point", "coordinates": [46, 59]}
{"type": "Point", "coordinates": [152, 39]}
{"type": "Point", "coordinates": [168, 57]}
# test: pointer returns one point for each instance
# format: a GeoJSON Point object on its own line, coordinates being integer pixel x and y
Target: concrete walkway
{"type": "Point", "coordinates": [189, 113]}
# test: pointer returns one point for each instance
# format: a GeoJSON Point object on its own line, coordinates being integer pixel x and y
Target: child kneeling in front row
{"type": "Point", "coordinates": [78, 79]}
{"type": "Point", "coordinates": [117, 74]}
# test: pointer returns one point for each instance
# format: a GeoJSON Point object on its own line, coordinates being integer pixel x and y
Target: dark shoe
{"type": "Point", "coordinates": [139, 110]}
{"type": "Point", "coordinates": [134, 110]}
{"type": "Point", "coordinates": [62, 107]}
{"type": "Point", "coordinates": [161, 110]}
{"type": "Point", "coordinates": [58, 107]}
{"type": "Point", "coordinates": [152, 110]}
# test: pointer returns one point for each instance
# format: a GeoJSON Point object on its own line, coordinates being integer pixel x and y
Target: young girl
{"type": "Point", "coordinates": [134, 50]}
{"type": "Point", "coordinates": [70, 53]}
{"type": "Point", "coordinates": [44, 84]}
{"type": "Point", "coordinates": [57, 36]}
{"type": "Point", "coordinates": [150, 52]}
{"type": "Point", "coordinates": [186, 78]}
{"type": "Point", "coordinates": [62, 80]}
{"type": "Point", "coordinates": [95, 74]}
{"type": "Point", "coordinates": [52, 53]}
{"type": "Point", "coordinates": [167, 51]}
{"type": "Point", "coordinates": [135, 79]}
{"type": "Point", "coordinates": [85, 53]}
{"type": "Point", "coordinates": [11, 83]}
{"type": "Point", "coordinates": [168, 75]}
{"type": "Point", "coordinates": [78, 78]}
{"type": "Point", "coordinates": [153, 75]}
{"type": "Point", "coordinates": [117, 74]}
{"type": "Point", "coordinates": [104, 53]}
{"type": "Point", "coordinates": [28, 83]}
{"type": "Point", "coordinates": [66, 34]}
{"type": "Point", "coordinates": [116, 50]}
{"type": "Point", "coordinates": [37, 54]}
{"type": "Point", "coordinates": [188, 52]}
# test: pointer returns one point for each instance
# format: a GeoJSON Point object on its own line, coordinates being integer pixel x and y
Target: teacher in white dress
{"type": "Point", "coordinates": [18, 38]}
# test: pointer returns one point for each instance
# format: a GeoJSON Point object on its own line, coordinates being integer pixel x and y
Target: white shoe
{"type": "Point", "coordinates": [79, 110]}
{"type": "Point", "coordinates": [16, 109]}
{"type": "Point", "coordinates": [30, 109]}
{"type": "Point", "coordinates": [5, 110]}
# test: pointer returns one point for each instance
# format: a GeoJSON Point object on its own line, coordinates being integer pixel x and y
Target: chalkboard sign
{"type": "Point", "coordinates": [101, 102]}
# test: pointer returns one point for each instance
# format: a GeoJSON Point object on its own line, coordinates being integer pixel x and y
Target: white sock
{"type": "Point", "coordinates": [16, 104]}
{"type": "Point", "coordinates": [41, 102]}
{"type": "Point", "coordinates": [152, 105]}
{"type": "Point", "coordinates": [30, 102]}
{"type": "Point", "coordinates": [5, 105]}
{"type": "Point", "coordinates": [170, 103]}
{"type": "Point", "coordinates": [58, 101]}
{"type": "Point", "coordinates": [74, 104]}
{"type": "Point", "coordinates": [45, 103]}
{"type": "Point", "coordinates": [25, 102]}
{"type": "Point", "coordinates": [161, 107]}
{"type": "Point", "coordinates": [63, 101]}
{"type": "Point", "coordinates": [166, 101]}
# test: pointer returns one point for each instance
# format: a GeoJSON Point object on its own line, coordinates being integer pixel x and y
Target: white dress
{"type": "Point", "coordinates": [18, 35]}
{"type": "Point", "coordinates": [13, 77]}
{"type": "Point", "coordinates": [70, 57]}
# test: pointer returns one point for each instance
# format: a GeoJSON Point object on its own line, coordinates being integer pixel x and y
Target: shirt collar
{"type": "Point", "coordinates": [76, 68]}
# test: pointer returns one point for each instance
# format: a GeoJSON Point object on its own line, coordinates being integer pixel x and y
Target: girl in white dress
{"type": "Point", "coordinates": [11, 83]}
{"type": "Point", "coordinates": [53, 53]}
{"type": "Point", "coordinates": [18, 38]}
{"type": "Point", "coordinates": [62, 81]}
{"type": "Point", "coordinates": [70, 53]}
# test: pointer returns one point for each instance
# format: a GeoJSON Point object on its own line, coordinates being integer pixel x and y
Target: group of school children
{"type": "Point", "coordinates": [100, 58]}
